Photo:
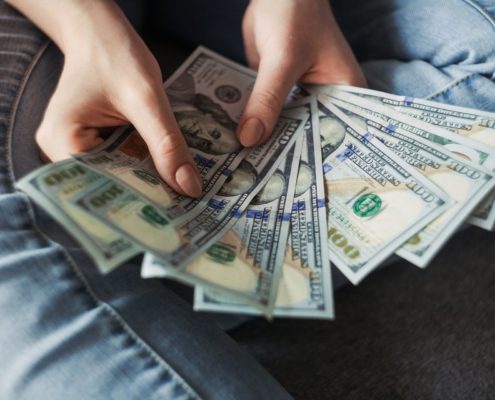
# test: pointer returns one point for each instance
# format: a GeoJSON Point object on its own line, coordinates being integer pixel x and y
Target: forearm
{"type": "Point", "coordinates": [64, 20]}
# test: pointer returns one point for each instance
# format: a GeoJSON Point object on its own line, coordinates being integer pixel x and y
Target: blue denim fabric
{"type": "Point", "coordinates": [66, 331]}
{"type": "Point", "coordinates": [443, 50]}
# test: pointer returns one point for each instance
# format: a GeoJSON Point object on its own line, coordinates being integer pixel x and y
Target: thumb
{"type": "Point", "coordinates": [273, 83]}
{"type": "Point", "coordinates": [156, 123]}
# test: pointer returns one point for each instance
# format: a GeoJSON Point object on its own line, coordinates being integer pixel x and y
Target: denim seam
{"type": "Point", "coordinates": [474, 4]}
{"type": "Point", "coordinates": [109, 309]}
{"type": "Point", "coordinates": [13, 111]}
{"type": "Point", "coordinates": [449, 87]}
{"type": "Point", "coordinates": [114, 315]}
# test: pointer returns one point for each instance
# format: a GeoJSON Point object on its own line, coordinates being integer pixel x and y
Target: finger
{"type": "Point", "coordinates": [250, 49]}
{"type": "Point", "coordinates": [154, 120]}
{"type": "Point", "coordinates": [273, 83]}
{"type": "Point", "coordinates": [336, 66]}
{"type": "Point", "coordinates": [59, 139]}
{"type": "Point", "coordinates": [64, 130]}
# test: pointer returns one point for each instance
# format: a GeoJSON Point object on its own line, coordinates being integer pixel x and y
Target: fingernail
{"type": "Point", "coordinates": [251, 132]}
{"type": "Point", "coordinates": [189, 181]}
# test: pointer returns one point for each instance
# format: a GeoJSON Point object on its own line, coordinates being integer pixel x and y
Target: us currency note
{"type": "Point", "coordinates": [52, 186]}
{"type": "Point", "coordinates": [462, 180]}
{"type": "Point", "coordinates": [467, 122]}
{"type": "Point", "coordinates": [246, 263]}
{"type": "Point", "coordinates": [207, 94]}
{"type": "Point", "coordinates": [248, 260]}
{"type": "Point", "coordinates": [305, 289]}
{"type": "Point", "coordinates": [477, 152]}
{"type": "Point", "coordinates": [376, 201]}
{"type": "Point", "coordinates": [175, 243]}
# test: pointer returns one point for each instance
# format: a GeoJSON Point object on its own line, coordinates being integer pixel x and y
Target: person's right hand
{"type": "Point", "coordinates": [111, 78]}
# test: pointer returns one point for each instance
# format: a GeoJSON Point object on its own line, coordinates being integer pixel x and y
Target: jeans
{"type": "Point", "coordinates": [67, 332]}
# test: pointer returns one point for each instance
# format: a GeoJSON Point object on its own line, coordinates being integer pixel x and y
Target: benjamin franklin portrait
{"type": "Point", "coordinates": [242, 180]}
{"type": "Point", "coordinates": [332, 134]}
{"type": "Point", "coordinates": [304, 179]}
{"type": "Point", "coordinates": [205, 124]}
{"type": "Point", "coordinates": [273, 189]}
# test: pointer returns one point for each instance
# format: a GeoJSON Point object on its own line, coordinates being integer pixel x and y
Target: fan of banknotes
{"type": "Point", "coordinates": [349, 176]}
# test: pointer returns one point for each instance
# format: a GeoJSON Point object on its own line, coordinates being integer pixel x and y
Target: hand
{"type": "Point", "coordinates": [290, 41]}
{"type": "Point", "coordinates": [110, 78]}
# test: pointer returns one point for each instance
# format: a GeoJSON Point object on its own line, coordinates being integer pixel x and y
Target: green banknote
{"type": "Point", "coordinates": [464, 182]}
{"type": "Point", "coordinates": [52, 187]}
{"type": "Point", "coordinates": [305, 289]}
{"type": "Point", "coordinates": [207, 94]}
{"type": "Point", "coordinates": [477, 152]}
{"type": "Point", "coordinates": [376, 201]}
{"type": "Point", "coordinates": [176, 243]}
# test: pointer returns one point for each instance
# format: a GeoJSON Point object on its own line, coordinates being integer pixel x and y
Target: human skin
{"type": "Point", "coordinates": [111, 78]}
{"type": "Point", "coordinates": [289, 41]}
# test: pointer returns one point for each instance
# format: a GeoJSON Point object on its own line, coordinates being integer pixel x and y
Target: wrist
{"type": "Point", "coordinates": [89, 22]}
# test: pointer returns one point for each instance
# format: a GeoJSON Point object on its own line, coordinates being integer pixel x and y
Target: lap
{"type": "Point", "coordinates": [67, 331]}
{"type": "Point", "coordinates": [441, 49]}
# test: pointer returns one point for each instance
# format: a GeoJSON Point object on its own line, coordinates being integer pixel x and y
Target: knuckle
{"type": "Point", "coordinates": [169, 145]}
{"type": "Point", "coordinates": [143, 93]}
{"type": "Point", "coordinates": [43, 138]}
{"type": "Point", "coordinates": [146, 93]}
{"type": "Point", "coordinates": [269, 99]}
{"type": "Point", "coordinates": [47, 144]}
{"type": "Point", "coordinates": [290, 54]}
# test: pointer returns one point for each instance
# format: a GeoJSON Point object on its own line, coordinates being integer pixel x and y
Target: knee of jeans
{"type": "Point", "coordinates": [465, 33]}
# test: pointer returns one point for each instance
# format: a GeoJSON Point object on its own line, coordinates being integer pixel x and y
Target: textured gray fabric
{"type": "Point", "coordinates": [403, 333]}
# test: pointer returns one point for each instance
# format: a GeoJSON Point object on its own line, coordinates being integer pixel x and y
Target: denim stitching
{"type": "Point", "coordinates": [474, 4]}
{"type": "Point", "coordinates": [449, 87]}
{"type": "Point", "coordinates": [105, 306]}
{"type": "Point", "coordinates": [13, 110]}
{"type": "Point", "coordinates": [114, 315]}
{"type": "Point", "coordinates": [486, 15]}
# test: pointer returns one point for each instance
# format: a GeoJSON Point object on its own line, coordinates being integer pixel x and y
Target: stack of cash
{"type": "Point", "coordinates": [349, 176]}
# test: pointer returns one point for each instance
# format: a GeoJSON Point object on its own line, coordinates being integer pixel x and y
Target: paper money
{"type": "Point", "coordinates": [176, 244]}
{"type": "Point", "coordinates": [473, 150]}
{"type": "Point", "coordinates": [477, 152]}
{"type": "Point", "coordinates": [467, 122]}
{"type": "Point", "coordinates": [248, 260]}
{"type": "Point", "coordinates": [375, 200]}
{"type": "Point", "coordinates": [52, 187]}
{"type": "Point", "coordinates": [207, 94]}
{"type": "Point", "coordinates": [462, 180]}
{"type": "Point", "coordinates": [245, 264]}
{"type": "Point", "coordinates": [305, 289]}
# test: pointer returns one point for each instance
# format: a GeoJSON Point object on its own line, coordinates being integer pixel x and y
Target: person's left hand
{"type": "Point", "coordinates": [290, 41]}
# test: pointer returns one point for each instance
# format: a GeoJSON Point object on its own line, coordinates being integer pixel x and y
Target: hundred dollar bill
{"type": "Point", "coordinates": [246, 263]}
{"type": "Point", "coordinates": [305, 289]}
{"type": "Point", "coordinates": [470, 123]}
{"type": "Point", "coordinates": [207, 94]}
{"type": "Point", "coordinates": [376, 201]}
{"type": "Point", "coordinates": [464, 182]}
{"type": "Point", "coordinates": [248, 260]}
{"type": "Point", "coordinates": [52, 186]}
{"type": "Point", "coordinates": [477, 152]}
{"type": "Point", "coordinates": [176, 243]}
{"type": "Point", "coordinates": [473, 150]}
